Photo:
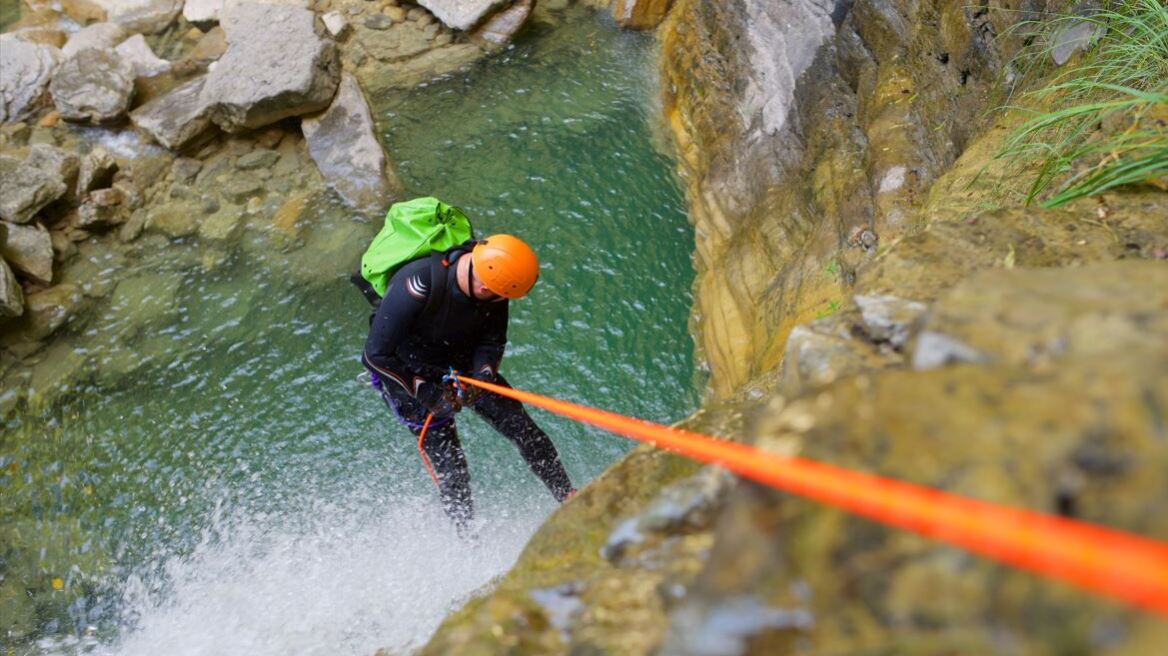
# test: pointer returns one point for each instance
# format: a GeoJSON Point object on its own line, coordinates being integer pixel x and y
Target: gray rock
{"type": "Point", "coordinates": [462, 14]}
{"type": "Point", "coordinates": [24, 190]}
{"type": "Point", "coordinates": [59, 163]}
{"type": "Point", "coordinates": [344, 145]}
{"type": "Point", "coordinates": [1076, 36]}
{"type": "Point", "coordinates": [276, 65]}
{"type": "Point", "coordinates": [144, 16]}
{"type": "Point", "coordinates": [94, 85]}
{"type": "Point", "coordinates": [335, 23]}
{"type": "Point", "coordinates": [177, 119]}
{"type": "Point", "coordinates": [99, 36]}
{"type": "Point", "coordinates": [25, 71]}
{"type": "Point", "coordinates": [503, 26]}
{"type": "Point", "coordinates": [102, 209]}
{"type": "Point", "coordinates": [205, 13]}
{"type": "Point", "coordinates": [97, 171]}
{"type": "Point", "coordinates": [935, 350]}
{"type": "Point", "coordinates": [29, 249]}
{"type": "Point", "coordinates": [11, 295]}
{"type": "Point", "coordinates": [142, 59]}
{"type": "Point", "coordinates": [888, 318]}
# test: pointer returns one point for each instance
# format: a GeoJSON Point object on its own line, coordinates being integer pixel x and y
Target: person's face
{"type": "Point", "coordinates": [480, 291]}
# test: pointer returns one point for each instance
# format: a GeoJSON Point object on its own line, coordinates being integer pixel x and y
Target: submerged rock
{"type": "Point", "coordinates": [276, 66]}
{"type": "Point", "coordinates": [344, 145]}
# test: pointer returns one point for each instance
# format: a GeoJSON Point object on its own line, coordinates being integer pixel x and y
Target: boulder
{"type": "Point", "coordinates": [144, 16]}
{"type": "Point", "coordinates": [640, 14]}
{"type": "Point", "coordinates": [25, 71]}
{"type": "Point", "coordinates": [462, 14]}
{"type": "Point", "coordinates": [11, 295]}
{"type": "Point", "coordinates": [276, 66]}
{"type": "Point", "coordinates": [205, 13]}
{"type": "Point", "coordinates": [101, 36]}
{"type": "Point", "coordinates": [343, 143]}
{"type": "Point", "coordinates": [48, 35]}
{"type": "Point", "coordinates": [503, 26]}
{"type": "Point", "coordinates": [177, 119]}
{"type": "Point", "coordinates": [97, 171]}
{"type": "Point", "coordinates": [24, 190]}
{"type": "Point", "coordinates": [29, 249]}
{"type": "Point", "coordinates": [59, 163]}
{"type": "Point", "coordinates": [102, 209]}
{"type": "Point", "coordinates": [210, 47]}
{"type": "Point", "coordinates": [142, 59]}
{"type": "Point", "coordinates": [93, 85]}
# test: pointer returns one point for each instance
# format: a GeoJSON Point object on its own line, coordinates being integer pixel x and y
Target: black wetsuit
{"type": "Point", "coordinates": [409, 350]}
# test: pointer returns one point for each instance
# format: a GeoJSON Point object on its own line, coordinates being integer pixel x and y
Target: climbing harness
{"type": "Point", "coordinates": [1122, 565]}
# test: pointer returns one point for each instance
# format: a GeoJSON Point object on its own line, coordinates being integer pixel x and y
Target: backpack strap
{"type": "Point", "coordinates": [438, 266]}
{"type": "Point", "coordinates": [366, 289]}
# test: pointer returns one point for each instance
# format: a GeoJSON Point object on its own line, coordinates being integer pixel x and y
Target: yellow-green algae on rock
{"type": "Point", "coordinates": [943, 335]}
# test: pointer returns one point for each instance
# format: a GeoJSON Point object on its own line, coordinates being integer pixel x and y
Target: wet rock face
{"type": "Point", "coordinates": [1077, 429]}
{"type": "Point", "coordinates": [93, 85]}
{"type": "Point", "coordinates": [810, 133]}
{"type": "Point", "coordinates": [25, 72]}
{"type": "Point", "coordinates": [345, 148]}
{"type": "Point", "coordinates": [276, 65]}
{"type": "Point", "coordinates": [640, 14]}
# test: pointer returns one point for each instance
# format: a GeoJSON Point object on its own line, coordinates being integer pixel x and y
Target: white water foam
{"type": "Point", "coordinates": [330, 582]}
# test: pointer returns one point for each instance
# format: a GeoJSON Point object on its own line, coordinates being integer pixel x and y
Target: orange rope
{"type": "Point", "coordinates": [425, 459]}
{"type": "Point", "coordinates": [1107, 561]}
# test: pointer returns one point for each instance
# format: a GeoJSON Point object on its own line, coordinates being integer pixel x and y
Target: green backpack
{"type": "Point", "coordinates": [412, 229]}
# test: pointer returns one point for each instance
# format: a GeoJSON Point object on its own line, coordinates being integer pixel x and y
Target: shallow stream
{"type": "Point", "coordinates": [241, 492]}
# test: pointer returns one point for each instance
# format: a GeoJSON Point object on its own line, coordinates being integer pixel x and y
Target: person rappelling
{"type": "Point", "coordinates": [442, 301]}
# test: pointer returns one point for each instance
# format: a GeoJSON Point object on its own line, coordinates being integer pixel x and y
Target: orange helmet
{"type": "Point", "coordinates": [506, 265]}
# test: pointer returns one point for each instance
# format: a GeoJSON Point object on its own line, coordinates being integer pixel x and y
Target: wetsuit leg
{"type": "Point", "coordinates": [443, 449]}
{"type": "Point", "coordinates": [510, 418]}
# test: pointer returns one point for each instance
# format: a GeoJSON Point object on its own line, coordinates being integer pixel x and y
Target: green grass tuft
{"type": "Point", "coordinates": [1106, 117]}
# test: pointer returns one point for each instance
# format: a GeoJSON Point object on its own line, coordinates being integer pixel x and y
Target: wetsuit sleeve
{"type": "Point", "coordinates": [489, 351]}
{"type": "Point", "coordinates": [405, 298]}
